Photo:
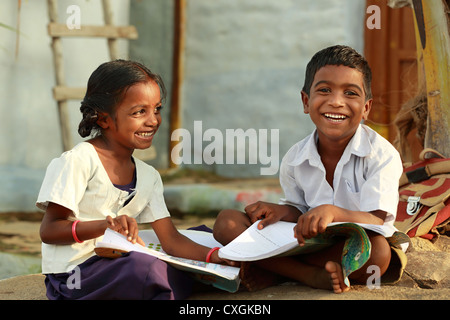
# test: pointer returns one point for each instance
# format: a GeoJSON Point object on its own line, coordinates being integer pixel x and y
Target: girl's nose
{"type": "Point", "coordinates": [152, 120]}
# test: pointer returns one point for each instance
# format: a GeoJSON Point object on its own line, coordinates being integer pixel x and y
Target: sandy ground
{"type": "Point", "coordinates": [19, 234]}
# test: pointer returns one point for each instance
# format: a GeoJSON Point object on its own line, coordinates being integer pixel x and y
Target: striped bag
{"type": "Point", "coordinates": [424, 205]}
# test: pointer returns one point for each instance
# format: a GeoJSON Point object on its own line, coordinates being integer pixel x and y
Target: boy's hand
{"type": "Point", "coordinates": [125, 225]}
{"type": "Point", "coordinates": [313, 222]}
{"type": "Point", "coordinates": [268, 213]}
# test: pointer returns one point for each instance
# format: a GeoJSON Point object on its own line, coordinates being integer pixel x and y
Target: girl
{"type": "Point", "coordinates": [99, 184]}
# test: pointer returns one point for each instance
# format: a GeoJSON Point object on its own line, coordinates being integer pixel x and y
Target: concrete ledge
{"type": "Point", "coordinates": [205, 198]}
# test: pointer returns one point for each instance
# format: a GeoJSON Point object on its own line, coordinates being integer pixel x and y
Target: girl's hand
{"type": "Point", "coordinates": [127, 226]}
{"type": "Point", "coordinates": [216, 259]}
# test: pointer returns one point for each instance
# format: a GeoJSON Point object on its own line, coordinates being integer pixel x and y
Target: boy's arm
{"type": "Point", "coordinates": [316, 220]}
{"type": "Point", "coordinates": [379, 193]}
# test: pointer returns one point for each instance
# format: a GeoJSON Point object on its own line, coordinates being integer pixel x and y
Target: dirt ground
{"type": "Point", "coordinates": [19, 233]}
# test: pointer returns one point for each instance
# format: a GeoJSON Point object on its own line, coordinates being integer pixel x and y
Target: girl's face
{"type": "Point", "coordinates": [137, 117]}
{"type": "Point", "coordinates": [336, 103]}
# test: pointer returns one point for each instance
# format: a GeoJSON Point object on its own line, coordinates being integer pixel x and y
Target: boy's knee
{"type": "Point", "coordinates": [228, 225]}
{"type": "Point", "coordinates": [381, 253]}
{"type": "Point", "coordinates": [381, 250]}
{"type": "Point", "coordinates": [380, 257]}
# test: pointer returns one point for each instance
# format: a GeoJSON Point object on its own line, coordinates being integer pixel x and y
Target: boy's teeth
{"type": "Point", "coordinates": [335, 116]}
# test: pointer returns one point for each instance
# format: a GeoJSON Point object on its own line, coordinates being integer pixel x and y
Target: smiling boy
{"type": "Point", "coordinates": [343, 171]}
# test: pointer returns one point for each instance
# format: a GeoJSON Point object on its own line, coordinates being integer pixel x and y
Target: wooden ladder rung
{"type": "Point", "coordinates": [106, 31]}
{"type": "Point", "coordinates": [61, 93]}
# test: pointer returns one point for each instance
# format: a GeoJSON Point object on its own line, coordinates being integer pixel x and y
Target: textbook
{"type": "Point", "coordinates": [224, 277]}
{"type": "Point", "coordinates": [278, 240]}
{"type": "Point", "coordinates": [273, 240]}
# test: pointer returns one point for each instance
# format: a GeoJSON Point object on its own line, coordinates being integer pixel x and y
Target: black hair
{"type": "Point", "coordinates": [106, 88]}
{"type": "Point", "coordinates": [338, 55]}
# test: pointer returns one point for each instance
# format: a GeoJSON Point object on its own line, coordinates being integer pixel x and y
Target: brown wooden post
{"type": "Point", "coordinates": [433, 40]}
{"type": "Point", "coordinates": [177, 78]}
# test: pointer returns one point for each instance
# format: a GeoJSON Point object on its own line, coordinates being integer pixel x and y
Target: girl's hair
{"type": "Point", "coordinates": [339, 55]}
{"type": "Point", "coordinates": [107, 87]}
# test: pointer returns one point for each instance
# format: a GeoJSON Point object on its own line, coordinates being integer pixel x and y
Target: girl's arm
{"type": "Point", "coordinates": [176, 244]}
{"type": "Point", "coordinates": [56, 228]}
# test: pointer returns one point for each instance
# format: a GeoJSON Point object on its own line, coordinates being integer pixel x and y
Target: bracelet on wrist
{"type": "Point", "coordinates": [208, 256]}
{"type": "Point", "coordinates": [74, 231]}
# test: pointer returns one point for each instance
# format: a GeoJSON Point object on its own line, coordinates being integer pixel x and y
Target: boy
{"type": "Point", "coordinates": [343, 171]}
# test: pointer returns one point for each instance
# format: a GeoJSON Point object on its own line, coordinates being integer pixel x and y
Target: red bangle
{"type": "Point", "coordinates": [208, 256]}
{"type": "Point", "coordinates": [74, 232]}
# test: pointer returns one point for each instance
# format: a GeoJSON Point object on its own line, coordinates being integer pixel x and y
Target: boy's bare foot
{"type": "Point", "coordinates": [329, 277]}
{"type": "Point", "coordinates": [334, 270]}
{"type": "Point", "coordinates": [255, 278]}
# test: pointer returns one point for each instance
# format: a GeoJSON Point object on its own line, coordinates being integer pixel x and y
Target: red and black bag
{"type": "Point", "coordinates": [424, 204]}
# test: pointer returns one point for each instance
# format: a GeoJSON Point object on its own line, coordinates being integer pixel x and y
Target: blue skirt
{"type": "Point", "coordinates": [134, 276]}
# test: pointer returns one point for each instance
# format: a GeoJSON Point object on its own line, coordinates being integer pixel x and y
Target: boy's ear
{"type": "Point", "coordinates": [367, 107]}
{"type": "Point", "coordinates": [305, 100]}
{"type": "Point", "coordinates": [103, 120]}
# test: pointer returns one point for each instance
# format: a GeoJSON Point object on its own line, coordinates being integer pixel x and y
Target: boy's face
{"type": "Point", "coordinates": [336, 103]}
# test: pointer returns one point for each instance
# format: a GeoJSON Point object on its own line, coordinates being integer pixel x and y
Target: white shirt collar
{"type": "Point", "coordinates": [359, 145]}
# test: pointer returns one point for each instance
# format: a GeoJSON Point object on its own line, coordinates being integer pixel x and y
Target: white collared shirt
{"type": "Point", "coordinates": [78, 181]}
{"type": "Point", "coordinates": [366, 177]}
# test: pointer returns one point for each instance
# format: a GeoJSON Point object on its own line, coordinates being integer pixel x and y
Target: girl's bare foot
{"type": "Point", "coordinates": [255, 278]}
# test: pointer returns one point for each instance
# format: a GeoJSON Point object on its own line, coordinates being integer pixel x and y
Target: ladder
{"type": "Point", "coordinates": [62, 93]}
